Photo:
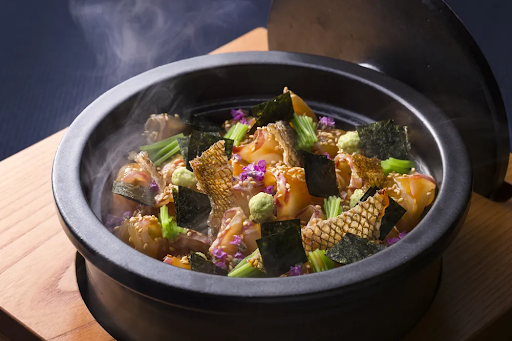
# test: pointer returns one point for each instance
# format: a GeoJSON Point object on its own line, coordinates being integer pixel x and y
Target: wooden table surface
{"type": "Point", "coordinates": [38, 288]}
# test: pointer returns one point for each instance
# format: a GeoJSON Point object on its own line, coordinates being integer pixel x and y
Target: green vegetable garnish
{"type": "Point", "coordinates": [244, 269]}
{"type": "Point", "coordinates": [356, 197]}
{"type": "Point", "coordinates": [396, 165]}
{"type": "Point", "coordinates": [160, 144]}
{"type": "Point", "coordinates": [319, 261]}
{"type": "Point", "coordinates": [332, 207]}
{"type": "Point", "coordinates": [165, 153]}
{"type": "Point", "coordinates": [305, 128]}
{"type": "Point", "coordinates": [237, 132]}
{"type": "Point", "coordinates": [170, 229]}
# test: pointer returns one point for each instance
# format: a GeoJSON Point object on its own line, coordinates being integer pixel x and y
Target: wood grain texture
{"type": "Point", "coordinates": [38, 285]}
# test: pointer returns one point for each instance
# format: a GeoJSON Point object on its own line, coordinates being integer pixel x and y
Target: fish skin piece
{"type": "Point", "coordinates": [287, 139]}
{"type": "Point", "coordinates": [370, 170]}
{"type": "Point", "coordinates": [214, 175]}
{"type": "Point", "coordinates": [363, 220]}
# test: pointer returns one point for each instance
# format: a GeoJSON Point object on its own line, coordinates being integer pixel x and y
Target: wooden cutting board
{"type": "Point", "coordinates": [38, 290]}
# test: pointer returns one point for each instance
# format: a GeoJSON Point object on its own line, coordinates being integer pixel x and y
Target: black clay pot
{"type": "Point", "coordinates": [135, 297]}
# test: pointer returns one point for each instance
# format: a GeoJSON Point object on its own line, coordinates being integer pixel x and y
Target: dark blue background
{"type": "Point", "coordinates": [56, 56]}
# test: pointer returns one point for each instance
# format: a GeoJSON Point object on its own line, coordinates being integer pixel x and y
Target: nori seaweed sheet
{"type": "Point", "coordinates": [283, 249]}
{"type": "Point", "coordinates": [270, 228]}
{"type": "Point", "coordinates": [192, 209]}
{"type": "Point", "coordinates": [352, 248]}
{"type": "Point", "coordinates": [199, 264]}
{"type": "Point", "coordinates": [369, 193]}
{"type": "Point", "coordinates": [393, 213]}
{"type": "Point", "coordinates": [198, 142]}
{"type": "Point", "coordinates": [320, 175]}
{"type": "Point", "coordinates": [383, 140]}
{"type": "Point", "coordinates": [279, 108]}
{"type": "Point", "coordinates": [183, 143]}
{"type": "Point", "coordinates": [139, 194]}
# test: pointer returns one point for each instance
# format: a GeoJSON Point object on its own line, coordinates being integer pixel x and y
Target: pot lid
{"type": "Point", "coordinates": [421, 43]}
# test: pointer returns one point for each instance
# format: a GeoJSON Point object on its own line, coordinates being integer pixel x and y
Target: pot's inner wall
{"type": "Point", "coordinates": [214, 91]}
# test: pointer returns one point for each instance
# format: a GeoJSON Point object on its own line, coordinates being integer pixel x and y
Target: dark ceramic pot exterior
{"type": "Point", "coordinates": [138, 298]}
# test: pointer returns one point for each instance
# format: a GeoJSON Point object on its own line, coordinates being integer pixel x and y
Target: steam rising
{"type": "Point", "coordinates": [129, 37]}
{"type": "Point", "coordinates": [132, 36]}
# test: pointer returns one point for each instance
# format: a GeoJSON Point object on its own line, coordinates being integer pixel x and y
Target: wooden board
{"type": "Point", "coordinates": [38, 285]}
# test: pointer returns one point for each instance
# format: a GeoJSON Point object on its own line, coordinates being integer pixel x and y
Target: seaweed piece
{"type": "Point", "coordinates": [139, 194]}
{"type": "Point", "coordinates": [199, 142]}
{"type": "Point", "coordinates": [279, 108]}
{"type": "Point", "coordinates": [369, 193]}
{"type": "Point", "coordinates": [283, 249]}
{"type": "Point", "coordinates": [383, 140]}
{"type": "Point", "coordinates": [183, 143]}
{"type": "Point", "coordinates": [192, 209]}
{"type": "Point", "coordinates": [352, 248]}
{"type": "Point", "coordinates": [393, 213]}
{"type": "Point", "coordinates": [320, 175]}
{"type": "Point", "coordinates": [270, 228]}
{"type": "Point", "coordinates": [200, 263]}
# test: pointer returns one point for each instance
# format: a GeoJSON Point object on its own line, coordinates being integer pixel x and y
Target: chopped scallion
{"type": "Point", "coordinates": [244, 269]}
{"type": "Point", "coordinates": [170, 228]}
{"type": "Point", "coordinates": [237, 132]}
{"type": "Point", "coordinates": [305, 128]}
{"type": "Point", "coordinates": [173, 151]}
{"type": "Point", "coordinates": [160, 144]}
{"type": "Point", "coordinates": [319, 261]}
{"type": "Point", "coordinates": [332, 207]}
{"type": "Point", "coordinates": [396, 165]}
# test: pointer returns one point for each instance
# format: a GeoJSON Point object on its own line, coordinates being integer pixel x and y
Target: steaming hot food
{"type": "Point", "coordinates": [279, 193]}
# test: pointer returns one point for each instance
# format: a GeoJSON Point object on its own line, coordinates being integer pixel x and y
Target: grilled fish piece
{"type": "Point", "coordinates": [364, 172]}
{"type": "Point", "coordinates": [146, 165]}
{"type": "Point", "coordinates": [214, 175]}
{"type": "Point", "coordinates": [363, 220]}
{"type": "Point", "coordinates": [286, 138]}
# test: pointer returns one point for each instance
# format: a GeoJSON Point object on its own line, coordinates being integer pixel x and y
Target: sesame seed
{"type": "Point", "coordinates": [176, 115]}
{"type": "Point", "coordinates": [400, 200]}
{"type": "Point", "coordinates": [228, 220]}
{"type": "Point", "coordinates": [145, 246]}
{"type": "Point", "coordinates": [429, 193]}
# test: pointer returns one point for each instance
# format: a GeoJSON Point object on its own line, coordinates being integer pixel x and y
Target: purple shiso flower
{"type": "Point", "coordinates": [327, 155]}
{"type": "Point", "coordinates": [220, 263]}
{"type": "Point", "coordinates": [269, 189]}
{"type": "Point", "coordinates": [112, 221]}
{"type": "Point", "coordinates": [236, 240]}
{"type": "Point", "coordinates": [255, 170]}
{"type": "Point", "coordinates": [239, 255]}
{"type": "Point", "coordinates": [326, 121]}
{"type": "Point", "coordinates": [295, 270]}
{"type": "Point", "coordinates": [219, 254]}
{"type": "Point", "coordinates": [239, 115]}
{"type": "Point", "coordinates": [237, 157]}
{"type": "Point", "coordinates": [391, 241]}
{"type": "Point", "coordinates": [153, 186]}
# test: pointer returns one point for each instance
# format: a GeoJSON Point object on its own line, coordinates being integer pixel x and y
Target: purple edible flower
{"type": "Point", "coordinates": [236, 240]}
{"type": "Point", "coordinates": [220, 263]}
{"type": "Point", "coordinates": [327, 155]}
{"type": "Point", "coordinates": [239, 255]}
{"type": "Point", "coordinates": [239, 115]}
{"type": "Point", "coordinates": [112, 221]}
{"type": "Point", "coordinates": [153, 186]}
{"type": "Point", "coordinates": [391, 241]}
{"type": "Point", "coordinates": [326, 122]}
{"type": "Point", "coordinates": [219, 254]}
{"type": "Point", "coordinates": [269, 189]}
{"type": "Point", "coordinates": [237, 157]}
{"type": "Point", "coordinates": [255, 170]}
{"type": "Point", "coordinates": [295, 270]}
